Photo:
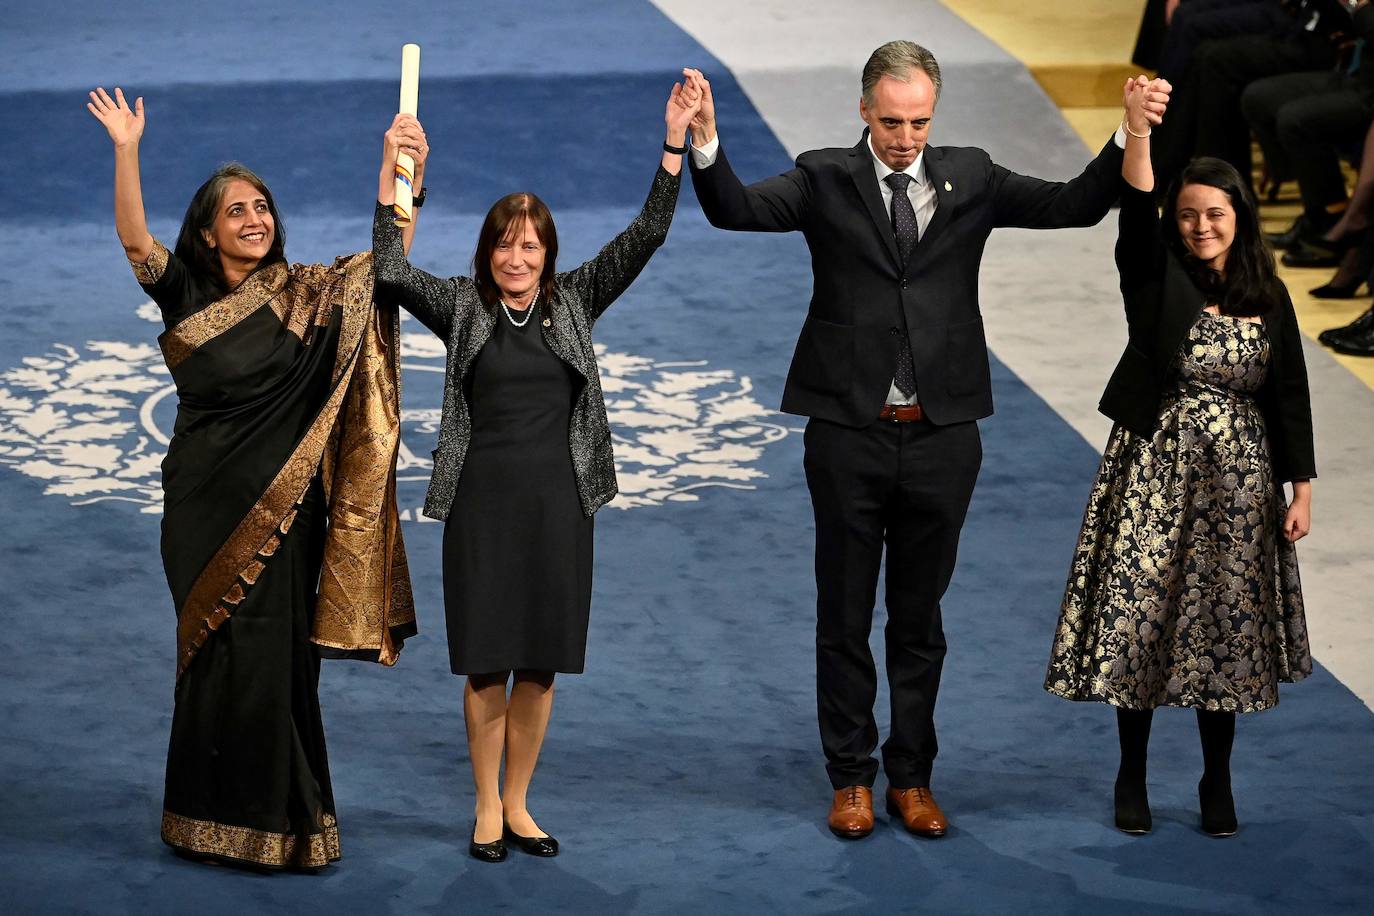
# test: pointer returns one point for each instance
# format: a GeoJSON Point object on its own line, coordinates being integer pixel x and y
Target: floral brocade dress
{"type": "Point", "coordinates": [1183, 590]}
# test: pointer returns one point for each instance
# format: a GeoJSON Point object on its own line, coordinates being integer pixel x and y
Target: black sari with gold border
{"type": "Point", "coordinates": [280, 541]}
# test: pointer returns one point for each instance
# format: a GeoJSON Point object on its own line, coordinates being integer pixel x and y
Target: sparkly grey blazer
{"type": "Point", "coordinates": [452, 309]}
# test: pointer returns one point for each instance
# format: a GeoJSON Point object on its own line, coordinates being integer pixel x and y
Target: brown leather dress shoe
{"type": "Point", "coordinates": [918, 811]}
{"type": "Point", "coordinates": [851, 812]}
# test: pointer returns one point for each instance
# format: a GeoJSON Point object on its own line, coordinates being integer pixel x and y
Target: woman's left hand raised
{"type": "Point", "coordinates": [1145, 101]}
{"type": "Point", "coordinates": [683, 104]}
{"type": "Point", "coordinates": [405, 136]}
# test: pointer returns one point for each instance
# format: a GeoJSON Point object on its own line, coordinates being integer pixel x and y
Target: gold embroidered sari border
{"type": "Point", "coordinates": [280, 850]}
{"type": "Point", "coordinates": [197, 329]}
{"type": "Point", "coordinates": [235, 567]}
{"type": "Point", "coordinates": [151, 270]}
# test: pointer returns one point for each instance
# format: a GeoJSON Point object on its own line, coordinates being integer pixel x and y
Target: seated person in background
{"type": "Point", "coordinates": [1302, 121]}
{"type": "Point", "coordinates": [1206, 120]}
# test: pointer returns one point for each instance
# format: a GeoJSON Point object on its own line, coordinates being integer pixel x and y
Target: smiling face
{"type": "Point", "coordinates": [243, 229]}
{"type": "Point", "coordinates": [1206, 223]}
{"type": "Point", "coordinates": [517, 262]}
{"type": "Point", "coordinates": [899, 118]}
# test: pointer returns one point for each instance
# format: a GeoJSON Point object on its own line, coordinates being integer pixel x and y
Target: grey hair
{"type": "Point", "coordinates": [897, 59]}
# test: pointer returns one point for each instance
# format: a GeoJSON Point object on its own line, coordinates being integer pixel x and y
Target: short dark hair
{"type": "Point", "coordinates": [897, 59]}
{"type": "Point", "coordinates": [1248, 287]}
{"type": "Point", "coordinates": [505, 218]}
{"type": "Point", "coordinates": [202, 260]}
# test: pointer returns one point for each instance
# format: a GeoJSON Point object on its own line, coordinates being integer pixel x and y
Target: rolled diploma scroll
{"type": "Point", "coordinates": [405, 165]}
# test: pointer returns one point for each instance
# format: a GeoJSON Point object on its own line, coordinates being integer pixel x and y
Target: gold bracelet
{"type": "Point", "coordinates": [1127, 127]}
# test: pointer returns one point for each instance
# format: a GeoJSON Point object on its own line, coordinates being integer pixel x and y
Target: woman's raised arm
{"type": "Point", "coordinates": [125, 126]}
{"type": "Point", "coordinates": [405, 136]}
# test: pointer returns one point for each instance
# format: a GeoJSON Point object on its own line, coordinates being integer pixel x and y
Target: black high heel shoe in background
{"type": "Point", "coordinates": [1356, 261]}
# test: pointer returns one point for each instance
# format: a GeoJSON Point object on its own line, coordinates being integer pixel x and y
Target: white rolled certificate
{"type": "Point", "coordinates": [405, 165]}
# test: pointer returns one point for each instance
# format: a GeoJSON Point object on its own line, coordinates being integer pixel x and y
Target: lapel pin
{"type": "Point", "coordinates": [547, 323]}
{"type": "Point", "coordinates": [948, 186]}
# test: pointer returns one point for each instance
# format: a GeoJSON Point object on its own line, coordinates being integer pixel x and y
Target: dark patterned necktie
{"type": "Point", "coordinates": [904, 227]}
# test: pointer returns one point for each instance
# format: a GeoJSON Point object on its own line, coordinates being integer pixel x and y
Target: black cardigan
{"type": "Point", "coordinates": [1162, 303]}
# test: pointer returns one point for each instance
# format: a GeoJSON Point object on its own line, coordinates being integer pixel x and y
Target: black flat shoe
{"type": "Point", "coordinates": [1132, 808]}
{"type": "Point", "coordinates": [1357, 343]}
{"type": "Point", "coordinates": [1359, 326]}
{"type": "Point", "coordinates": [543, 846]}
{"type": "Point", "coordinates": [1332, 291]}
{"type": "Point", "coordinates": [486, 852]}
{"type": "Point", "coordinates": [1289, 237]}
{"type": "Point", "coordinates": [1307, 254]}
{"type": "Point", "coordinates": [1218, 810]}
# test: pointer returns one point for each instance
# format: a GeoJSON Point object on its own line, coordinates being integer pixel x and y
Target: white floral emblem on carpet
{"type": "Point", "coordinates": [93, 421]}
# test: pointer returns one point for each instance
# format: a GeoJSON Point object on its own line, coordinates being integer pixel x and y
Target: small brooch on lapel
{"type": "Point", "coordinates": [948, 186]}
{"type": "Point", "coordinates": [548, 323]}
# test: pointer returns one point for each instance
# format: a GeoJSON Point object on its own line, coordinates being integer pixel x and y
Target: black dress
{"type": "Point", "coordinates": [517, 545]}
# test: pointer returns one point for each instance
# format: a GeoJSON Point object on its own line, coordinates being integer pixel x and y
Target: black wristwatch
{"type": "Point", "coordinates": [419, 199]}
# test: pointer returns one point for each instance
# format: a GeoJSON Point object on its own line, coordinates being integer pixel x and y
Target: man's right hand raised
{"type": "Point", "coordinates": [704, 124]}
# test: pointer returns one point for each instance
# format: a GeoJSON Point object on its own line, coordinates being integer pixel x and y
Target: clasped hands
{"type": "Point", "coordinates": [1145, 101]}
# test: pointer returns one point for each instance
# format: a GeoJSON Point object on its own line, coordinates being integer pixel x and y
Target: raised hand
{"type": "Point", "coordinates": [124, 124]}
{"type": "Point", "coordinates": [1145, 101]}
{"type": "Point", "coordinates": [703, 125]}
{"type": "Point", "coordinates": [405, 135]}
{"type": "Point", "coordinates": [684, 102]}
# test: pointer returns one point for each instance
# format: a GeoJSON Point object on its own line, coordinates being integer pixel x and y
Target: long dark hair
{"type": "Point", "coordinates": [1247, 288]}
{"type": "Point", "coordinates": [199, 257]}
{"type": "Point", "coordinates": [505, 218]}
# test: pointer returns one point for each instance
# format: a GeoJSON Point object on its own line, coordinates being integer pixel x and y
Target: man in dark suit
{"type": "Point", "coordinates": [892, 370]}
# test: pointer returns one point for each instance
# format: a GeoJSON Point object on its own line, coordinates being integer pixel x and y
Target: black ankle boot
{"type": "Point", "coordinates": [1132, 805]}
{"type": "Point", "coordinates": [1218, 807]}
{"type": "Point", "coordinates": [1130, 795]}
{"type": "Point", "coordinates": [1217, 731]}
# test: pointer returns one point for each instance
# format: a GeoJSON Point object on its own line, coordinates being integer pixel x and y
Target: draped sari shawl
{"type": "Point", "coordinates": [294, 372]}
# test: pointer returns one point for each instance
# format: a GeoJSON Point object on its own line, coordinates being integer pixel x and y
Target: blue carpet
{"type": "Point", "coordinates": [682, 772]}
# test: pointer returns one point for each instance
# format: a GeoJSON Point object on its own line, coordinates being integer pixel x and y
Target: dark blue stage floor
{"type": "Point", "coordinates": [682, 773]}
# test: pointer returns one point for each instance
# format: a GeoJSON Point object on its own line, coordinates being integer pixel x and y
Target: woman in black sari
{"type": "Point", "coordinates": [280, 536]}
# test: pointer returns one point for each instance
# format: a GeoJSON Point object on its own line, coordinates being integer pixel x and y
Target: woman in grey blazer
{"type": "Point", "coordinates": [524, 461]}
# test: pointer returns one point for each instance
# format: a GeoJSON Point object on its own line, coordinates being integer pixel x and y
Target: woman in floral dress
{"type": "Point", "coordinates": [1184, 586]}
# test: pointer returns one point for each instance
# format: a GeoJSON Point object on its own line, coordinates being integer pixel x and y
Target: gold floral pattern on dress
{"type": "Point", "coordinates": [228, 841]}
{"type": "Point", "coordinates": [1183, 590]}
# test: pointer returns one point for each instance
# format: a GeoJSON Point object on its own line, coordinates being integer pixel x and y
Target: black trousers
{"type": "Point", "coordinates": [1204, 113]}
{"type": "Point", "coordinates": [1302, 120]}
{"type": "Point", "coordinates": [904, 487]}
{"type": "Point", "coordinates": [1202, 20]}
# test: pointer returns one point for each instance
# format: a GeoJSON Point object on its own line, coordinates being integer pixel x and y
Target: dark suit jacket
{"type": "Point", "coordinates": [844, 361]}
{"type": "Point", "coordinates": [1162, 303]}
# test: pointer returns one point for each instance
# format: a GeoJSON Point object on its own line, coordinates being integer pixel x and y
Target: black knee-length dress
{"type": "Point", "coordinates": [517, 546]}
{"type": "Point", "coordinates": [525, 449]}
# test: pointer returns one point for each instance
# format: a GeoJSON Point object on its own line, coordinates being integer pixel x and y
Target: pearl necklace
{"type": "Point", "coordinates": [529, 311]}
